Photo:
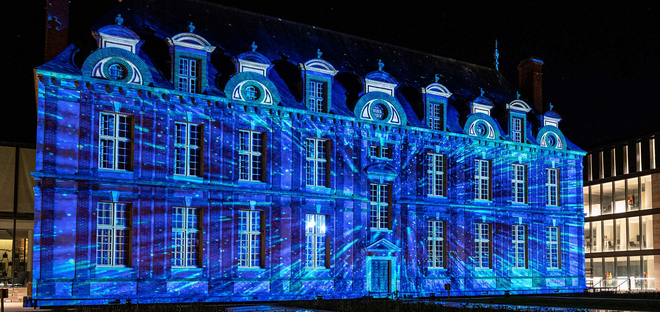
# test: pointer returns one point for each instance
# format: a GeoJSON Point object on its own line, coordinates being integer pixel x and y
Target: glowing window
{"type": "Point", "coordinates": [185, 240]}
{"type": "Point", "coordinates": [436, 244]}
{"type": "Point", "coordinates": [315, 241]}
{"type": "Point", "coordinates": [115, 141]}
{"type": "Point", "coordinates": [552, 186]}
{"type": "Point", "coordinates": [436, 174]}
{"type": "Point", "coordinates": [519, 184]}
{"type": "Point", "coordinates": [250, 158]}
{"type": "Point", "coordinates": [482, 179]}
{"type": "Point", "coordinates": [482, 245]}
{"type": "Point", "coordinates": [316, 96]}
{"type": "Point", "coordinates": [318, 162]}
{"type": "Point", "coordinates": [380, 202]}
{"type": "Point", "coordinates": [188, 72]}
{"type": "Point", "coordinates": [519, 242]}
{"type": "Point", "coordinates": [517, 129]}
{"type": "Point", "coordinates": [553, 247]}
{"type": "Point", "coordinates": [435, 116]}
{"type": "Point", "coordinates": [188, 139]}
{"type": "Point", "coordinates": [249, 239]}
{"type": "Point", "coordinates": [112, 234]}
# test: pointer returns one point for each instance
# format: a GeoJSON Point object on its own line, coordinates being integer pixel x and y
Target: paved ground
{"type": "Point", "coordinates": [17, 306]}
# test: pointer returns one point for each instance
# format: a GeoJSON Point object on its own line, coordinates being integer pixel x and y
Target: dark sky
{"type": "Point", "coordinates": [601, 63]}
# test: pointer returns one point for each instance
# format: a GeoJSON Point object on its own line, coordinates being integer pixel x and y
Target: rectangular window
{"type": "Point", "coordinates": [316, 96]}
{"type": "Point", "coordinates": [435, 116]}
{"type": "Point", "coordinates": [652, 152]}
{"type": "Point", "coordinates": [112, 234]}
{"type": "Point", "coordinates": [188, 139]}
{"type": "Point", "coordinates": [519, 243]}
{"type": "Point", "coordinates": [251, 152]}
{"type": "Point", "coordinates": [316, 251]}
{"type": "Point", "coordinates": [519, 184]}
{"type": "Point", "coordinates": [436, 244]}
{"type": "Point", "coordinates": [380, 206]}
{"type": "Point", "coordinates": [115, 141]}
{"type": "Point", "coordinates": [382, 152]}
{"type": "Point", "coordinates": [188, 70]}
{"type": "Point", "coordinates": [318, 162]}
{"type": "Point", "coordinates": [249, 239]}
{"type": "Point", "coordinates": [436, 174]}
{"type": "Point", "coordinates": [553, 247]}
{"type": "Point", "coordinates": [482, 179]}
{"type": "Point", "coordinates": [186, 228]}
{"type": "Point", "coordinates": [517, 129]}
{"type": "Point", "coordinates": [482, 243]}
{"type": "Point", "coordinates": [552, 186]}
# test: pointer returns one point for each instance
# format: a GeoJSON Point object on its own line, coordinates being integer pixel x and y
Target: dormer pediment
{"type": "Point", "coordinates": [319, 66]}
{"type": "Point", "coordinates": [253, 62]}
{"type": "Point", "coordinates": [437, 89]}
{"type": "Point", "coordinates": [481, 105]}
{"type": "Point", "coordinates": [191, 41]}
{"type": "Point", "coordinates": [380, 81]}
{"type": "Point", "coordinates": [519, 105]}
{"type": "Point", "coordinates": [116, 36]}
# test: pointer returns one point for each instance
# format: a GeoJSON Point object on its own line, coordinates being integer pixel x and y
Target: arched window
{"type": "Point", "coordinates": [251, 93]}
{"type": "Point", "coordinates": [116, 72]}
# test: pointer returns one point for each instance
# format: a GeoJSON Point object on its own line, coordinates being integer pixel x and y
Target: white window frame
{"type": "Point", "coordinates": [249, 239]}
{"type": "Point", "coordinates": [379, 212]}
{"type": "Point", "coordinates": [482, 179]}
{"type": "Point", "coordinates": [552, 186]}
{"type": "Point", "coordinates": [517, 130]}
{"type": "Point", "coordinates": [316, 100]}
{"type": "Point", "coordinates": [436, 111]}
{"type": "Point", "coordinates": [185, 243]}
{"type": "Point", "coordinates": [185, 148]}
{"type": "Point", "coordinates": [553, 247]}
{"type": "Point", "coordinates": [112, 138]}
{"type": "Point", "coordinates": [482, 245]}
{"type": "Point", "coordinates": [114, 219]}
{"type": "Point", "coordinates": [519, 242]}
{"type": "Point", "coordinates": [250, 157]}
{"type": "Point", "coordinates": [436, 244]}
{"type": "Point", "coordinates": [317, 159]}
{"type": "Point", "coordinates": [519, 184]}
{"type": "Point", "coordinates": [315, 241]}
{"type": "Point", "coordinates": [188, 74]}
{"type": "Point", "coordinates": [436, 175]}
{"type": "Point", "coordinates": [381, 152]}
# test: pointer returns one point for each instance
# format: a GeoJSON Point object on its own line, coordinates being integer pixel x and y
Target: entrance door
{"type": "Point", "coordinates": [380, 275]}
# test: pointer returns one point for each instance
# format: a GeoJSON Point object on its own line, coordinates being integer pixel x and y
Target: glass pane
{"type": "Point", "coordinates": [647, 232]}
{"type": "Point", "coordinates": [647, 195]}
{"type": "Point", "coordinates": [635, 273]}
{"type": "Point", "coordinates": [597, 266]}
{"type": "Point", "coordinates": [608, 264]}
{"type": "Point", "coordinates": [648, 273]}
{"type": "Point", "coordinates": [595, 200]}
{"type": "Point", "coordinates": [620, 196]}
{"type": "Point", "coordinates": [587, 237]}
{"type": "Point", "coordinates": [633, 194]}
{"type": "Point", "coordinates": [607, 198]}
{"type": "Point", "coordinates": [634, 240]}
{"type": "Point", "coordinates": [621, 232]}
{"type": "Point", "coordinates": [608, 235]}
{"type": "Point", "coordinates": [586, 200]}
{"type": "Point", "coordinates": [597, 238]}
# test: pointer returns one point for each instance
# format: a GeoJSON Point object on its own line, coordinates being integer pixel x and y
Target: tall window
{"type": "Point", "coordinates": [251, 152]}
{"type": "Point", "coordinates": [519, 184]}
{"type": "Point", "coordinates": [187, 149]}
{"type": "Point", "coordinates": [185, 240]}
{"type": "Point", "coordinates": [187, 75]}
{"type": "Point", "coordinates": [552, 186]}
{"type": "Point", "coordinates": [115, 141]}
{"type": "Point", "coordinates": [517, 129]}
{"type": "Point", "coordinates": [316, 96]}
{"type": "Point", "coordinates": [112, 234]}
{"type": "Point", "coordinates": [380, 202]}
{"type": "Point", "coordinates": [436, 174]}
{"type": "Point", "coordinates": [519, 243]}
{"type": "Point", "coordinates": [436, 241]}
{"type": "Point", "coordinates": [482, 245]}
{"type": "Point", "coordinates": [435, 116]}
{"type": "Point", "coordinates": [315, 241]}
{"type": "Point", "coordinates": [482, 179]}
{"type": "Point", "coordinates": [318, 162]}
{"type": "Point", "coordinates": [249, 239]}
{"type": "Point", "coordinates": [553, 246]}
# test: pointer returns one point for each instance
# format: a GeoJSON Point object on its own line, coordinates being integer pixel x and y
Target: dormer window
{"type": "Point", "coordinates": [517, 129]}
{"type": "Point", "coordinates": [436, 116]}
{"type": "Point", "coordinates": [316, 96]}
{"type": "Point", "coordinates": [517, 119]}
{"type": "Point", "coordinates": [318, 75]}
{"type": "Point", "coordinates": [435, 97]}
{"type": "Point", "coordinates": [188, 75]}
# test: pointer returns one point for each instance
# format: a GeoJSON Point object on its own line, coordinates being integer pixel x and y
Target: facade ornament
{"type": "Point", "coordinates": [191, 27]}
{"type": "Point", "coordinates": [380, 64]}
{"type": "Point", "coordinates": [551, 106]}
{"type": "Point", "coordinates": [437, 78]}
{"type": "Point", "coordinates": [517, 95]}
{"type": "Point", "coordinates": [497, 57]}
{"type": "Point", "coordinates": [318, 53]}
{"type": "Point", "coordinates": [254, 46]}
{"type": "Point", "coordinates": [482, 91]}
{"type": "Point", "coordinates": [119, 19]}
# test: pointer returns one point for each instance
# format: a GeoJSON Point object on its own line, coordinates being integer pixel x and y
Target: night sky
{"type": "Point", "coordinates": [601, 64]}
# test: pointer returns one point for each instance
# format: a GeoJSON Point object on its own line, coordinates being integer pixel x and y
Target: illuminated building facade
{"type": "Point", "coordinates": [243, 157]}
{"type": "Point", "coordinates": [622, 207]}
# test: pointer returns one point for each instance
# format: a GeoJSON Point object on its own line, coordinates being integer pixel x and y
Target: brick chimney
{"type": "Point", "coordinates": [57, 27]}
{"type": "Point", "coordinates": [530, 77]}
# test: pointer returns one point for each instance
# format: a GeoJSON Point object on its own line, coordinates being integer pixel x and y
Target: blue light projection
{"type": "Point", "coordinates": [239, 231]}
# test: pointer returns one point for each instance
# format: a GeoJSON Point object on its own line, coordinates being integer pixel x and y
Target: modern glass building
{"type": "Point", "coordinates": [622, 207]}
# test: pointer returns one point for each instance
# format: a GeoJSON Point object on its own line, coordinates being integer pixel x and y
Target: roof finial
{"type": "Point", "coordinates": [482, 91]}
{"type": "Point", "coordinates": [380, 64]}
{"type": "Point", "coordinates": [191, 27]}
{"type": "Point", "coordinates": [318, 53]}
{"type": "Point", "coordinates": [437, 78]}
{"type": "Point", "coordinates": [517, 95]}
{"type": "Point", "coordinates": [551, 106]}
{"type": "Point", "coordinates": [497, 57]}
{"type": "Point", "coordinates": [254, 46]}
{"type": "Point", "coordinates": [119, 19]}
